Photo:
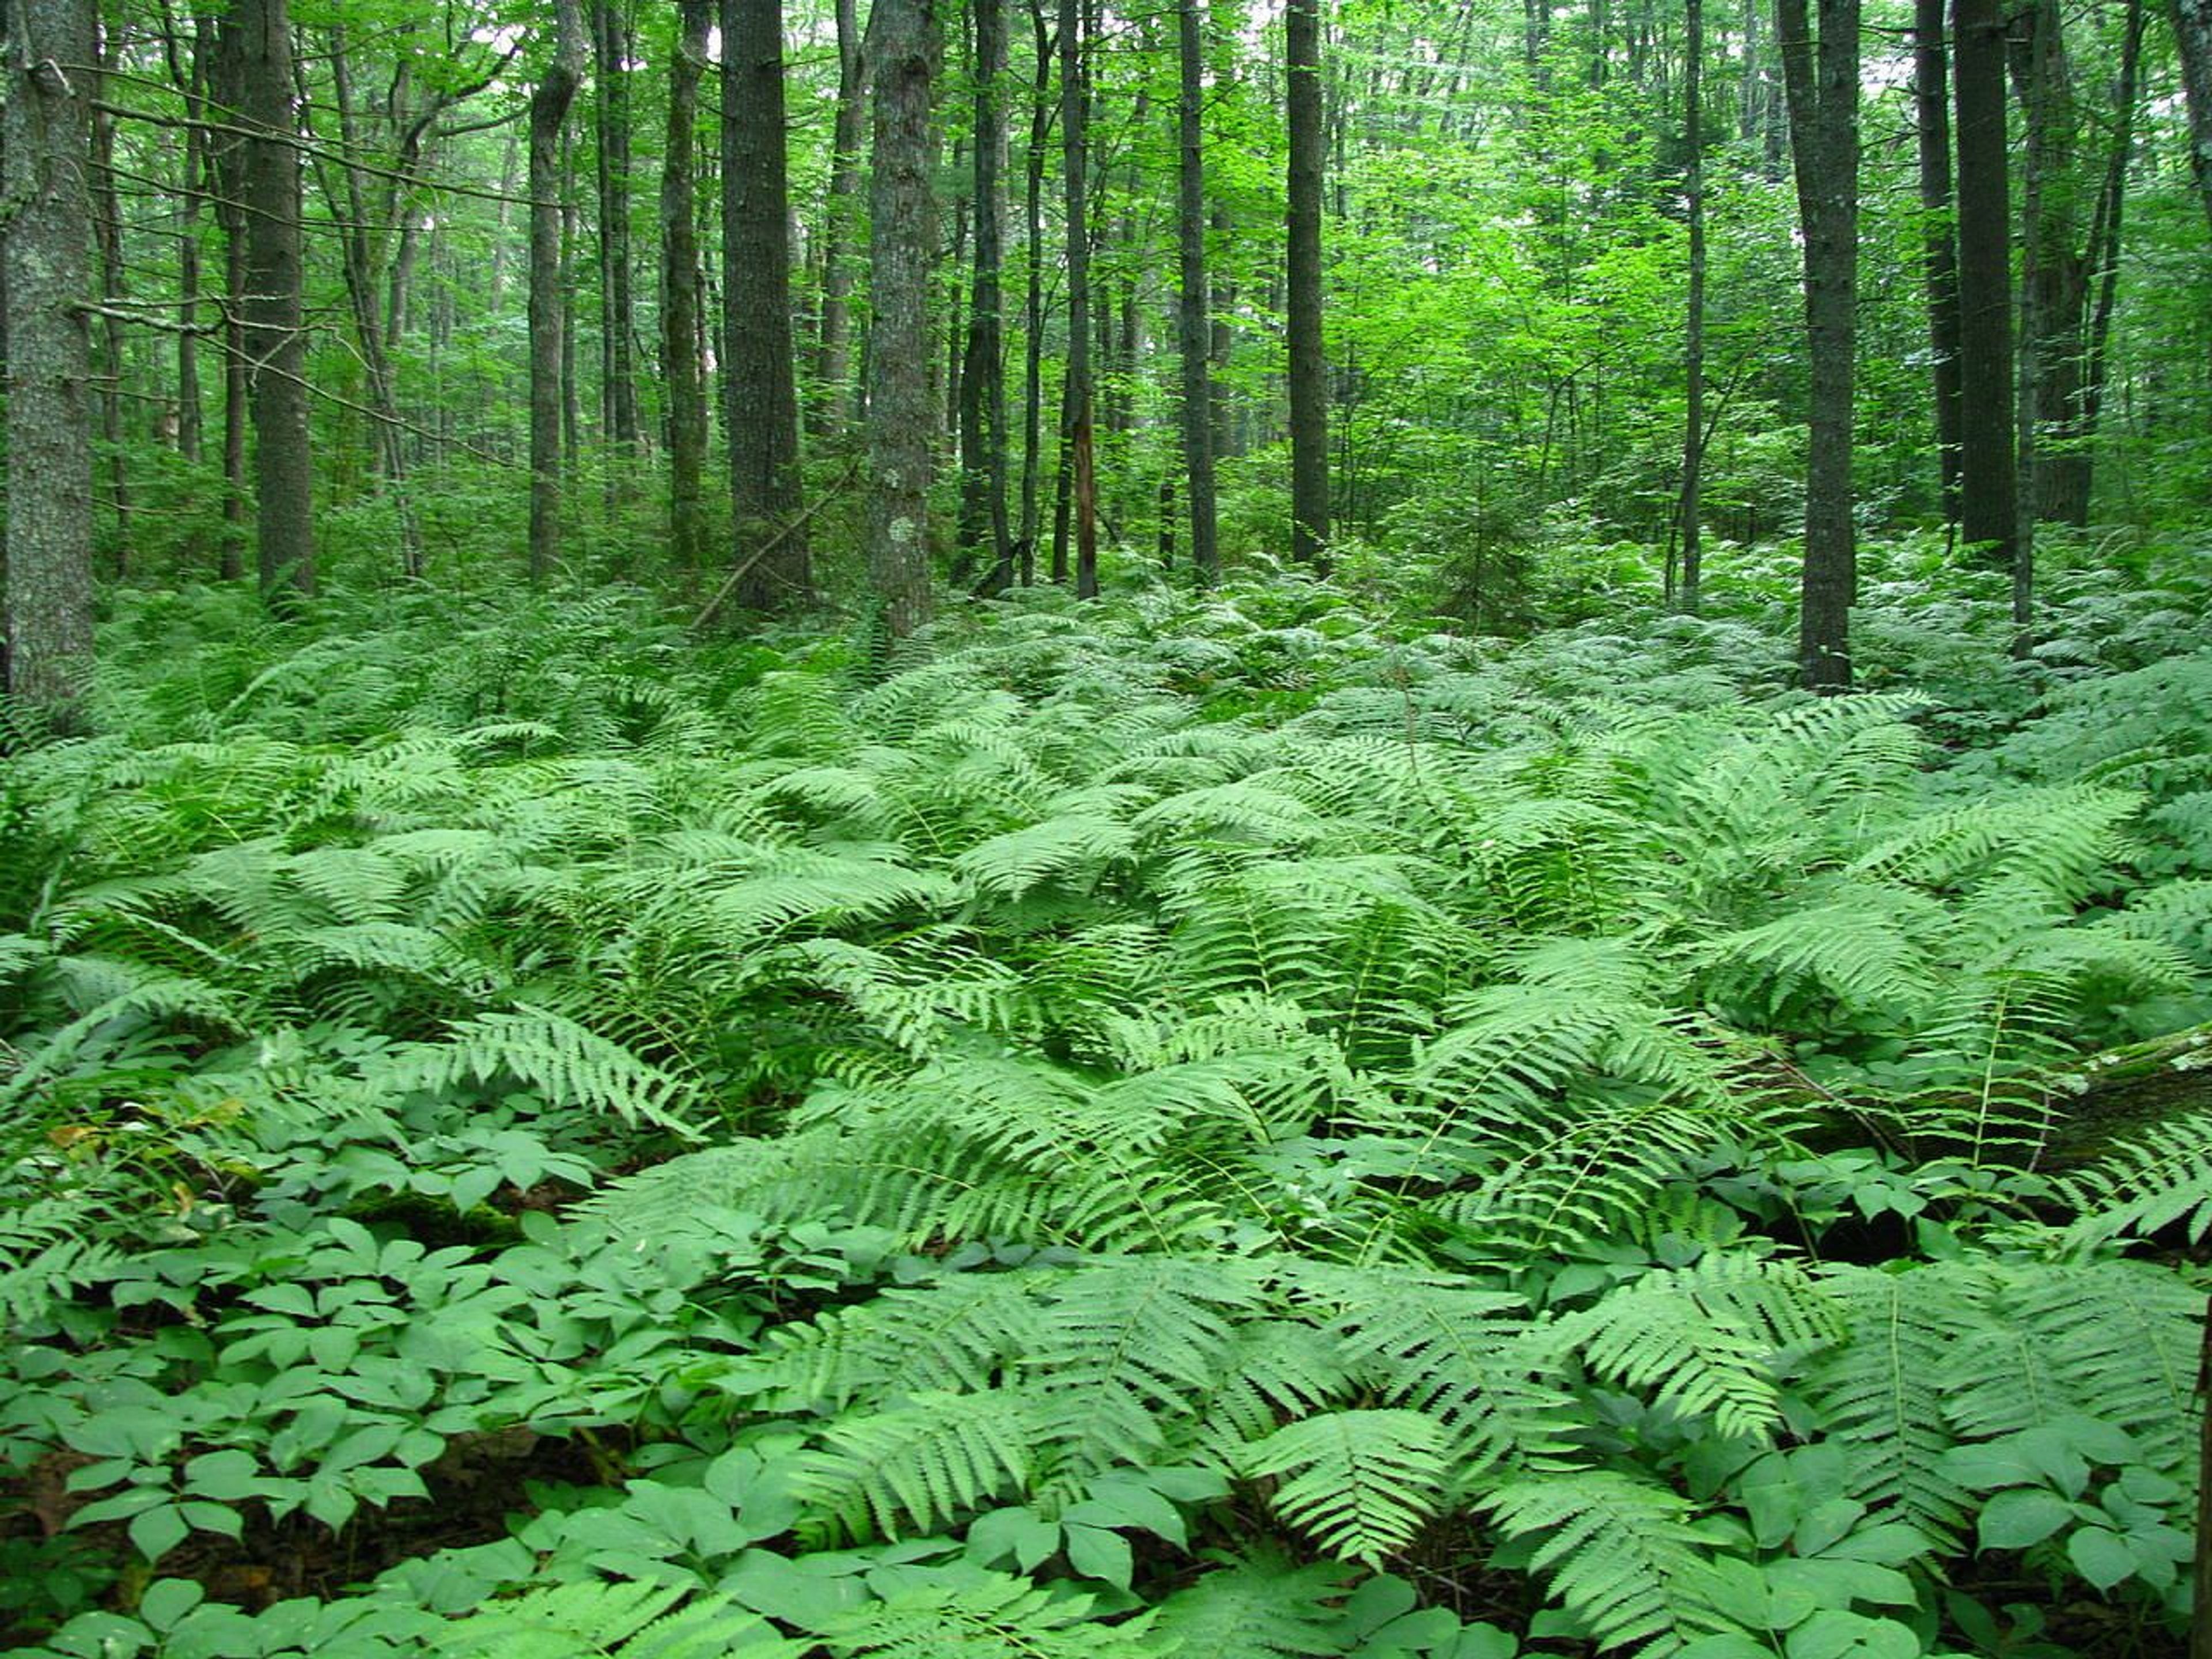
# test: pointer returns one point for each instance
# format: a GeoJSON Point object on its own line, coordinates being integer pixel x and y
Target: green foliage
{"type": "Point", "coordinates": [1218, 1128]}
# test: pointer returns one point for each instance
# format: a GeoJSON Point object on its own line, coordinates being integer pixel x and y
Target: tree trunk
{"type": "Point", "coordinates": [45, 127]}
{"type": "Point", "coordinates": [191, 425]}
{"type": "Point", "coordinates": [1076, 415]}
{"type": "Point", "coordinates": [1694, 327]}
{"type": "Point", "coordinates": [1309, 369]}
{"type": "Point", "coordinates": [549, 109]}
{"type": "Point", "coordinates": [1939, 249]}
{"type": "Point", "coordinates": [107, 234]}
{"type": "Point", "coordinates": [611, 50]}
{"type": "Point", "coordinates": [903, 52]}
{"type": "Point", "coordinates": [758, 388]}
{"type": "Point", "coordinates": [1821, 85]}
{"type": "Point", "coordinates": [1986, 461]}
{"type": "Point", "coordinates": [679, 293]}
{"type": "Point", "coordinates": [982, 380]}
{"type": "Point", "coordinates": [834, 367]}
{"type": "Point", "coordinates": [357, 260]}
{"type": "Point", "coordinates": [1193, 327]}
{"type": "Point", "coordinates": [1033, 304]}
{"type": "Point", "coordinates": [2192, 35]}
{"type": "Point", "coordinates": [2104, 239]}
{"type": "Point", "coordinates": [276, 343]}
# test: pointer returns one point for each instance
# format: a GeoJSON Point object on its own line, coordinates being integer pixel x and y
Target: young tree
{"type": "Point", "coordinates": [1820, 81]}
{"type": "Point", "coordinates": [45, 133]}
{"type": "Point", "coordinates": [903, 52]}
{"type": "Point", "coordinates": [1694, 327]}
{"type": "Point", "coordinates": [680, 365]}
{"type": "Point", "coordinates": [832, 369]}
{"type": "Point", "coordinates": [275, 341]}
{"type": "Point", "coordinates": [1309, 369]}
{"type": "Point", "coordinates": [757, 384]}
{"type": "Point", "coordinates": [1939, 249]}
{"type": "Point", "coordinates": [1193, 336]}
{"type": "Point", "coordinates": [549, 110]}
{"type": "Point", "coordinates": [611, 45]}
{"type": "Point", "coordinates": [1076, 410]}
{"type": "Point", "coordinates": [1987, 497]}
{"type": "Point", "coordinates": [2193, 36]}
{"type": "Point", "coordinates": [982, 377]}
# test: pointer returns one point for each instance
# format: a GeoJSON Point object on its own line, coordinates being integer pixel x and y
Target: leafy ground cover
{"type": "Point", "coordinates": [1192, 1126]}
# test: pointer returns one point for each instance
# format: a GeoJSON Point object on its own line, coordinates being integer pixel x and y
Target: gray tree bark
{"type": "Point", "coordinates": [1939, 248]}
{"type": "Point", "coordinates": [1821, 85]}
{"type": "Point", "coordinates": [549, 109]}
{"type": "Point", "coordinates": [1309, 368]}
{"type": "Point", "coordinates": [1986, 459]}
{"type": "Point", "coordinates": [758, 389]}
{"type": "Point", "coordinates": [680, 365]}
{"type": "Point", "coordinates": [2192, 34]}
{"type": "Point", "coordinates": [904, 50]}
{"type": "Point", "coordinates": [46, 132]}
{"type": "Point", "coordinates": [983, 376]}
{"type": "Point", "coordinates": [834, 363]}
{"type": "Point", "coordinates": [1076, 411]}
{"type": "Point", "coordinates": [1194, 326]}
{"type": "Point", "coordinates": [275, 340]}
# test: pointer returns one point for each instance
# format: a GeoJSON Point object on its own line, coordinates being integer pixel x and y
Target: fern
{"type": "Point", "coordinates": [1708, 1339]}
{"type": "Point", "coordinates": [1258, 1607]}
{"type": "Point", "coordinates": [921, 1464]}
{"type": "Point", "coordinates": [1000, 1616]}
{"type": "Point", "coordinates": [599, 1621]}
{"type": "Point", "coordinates": [1621, 1554]}
{"type": "Point", "coordinates": [1362, 1483]}
{"type": "Point", "coordinates": [2151, 1179]}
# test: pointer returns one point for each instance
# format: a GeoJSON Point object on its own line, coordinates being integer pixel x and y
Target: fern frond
{"type": "Point", "coordinates": [1001, 1618]}
{"type": "Point", "coordinates": [1258, 1607]}
{"type": "Point", "coordinates": [570, 1064]}
{"type": "Point", "coordinates": [596, 1619]}
{"type": "Point", "coordinates": [1705, 1339]}
{"type": "Point", "coordinates": [918, 1466]}
{"type": "Point", "coordinates": [2114, 1340]}
{"type": "Point", "coordinates": [1361, 1483]}
{"type": "Point", "coordinates": [2143, 1182]}
{"type": "Point", "coordinates": [1620, 1553]}
{"type": "Point", "coordinates": [1881, 1390]}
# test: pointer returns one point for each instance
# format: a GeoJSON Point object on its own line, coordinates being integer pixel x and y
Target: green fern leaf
{"type": "Point", "coordinates": [1362, 1483]}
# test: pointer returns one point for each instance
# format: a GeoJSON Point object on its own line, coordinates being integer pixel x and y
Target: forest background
{"type": "Point", "coordinates": [1031, 832]}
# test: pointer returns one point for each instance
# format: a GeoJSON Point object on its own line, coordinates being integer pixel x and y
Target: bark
{"type": "Point", "coordinates": [274, 340]}
{"type": "Point", "coordinates": [549, 110]}
{"type": "Point", "coordinates": [758, 387]}
{"type": "Point", "coordinates": [1820, 83]}
{"type": "Point", "coordinates": [1194, 326]}
{"type": "Point", "coordinates": [611, 50]}
{"type": "Point", "coordinates": [45, 124]}
{"type": "Point", "coordinates": [1076, 410]}
{"type": "Point", "coordinates": [1939, 250]}
{"type": "Point", "coordinates": [1309, 369]}
{"type": "Point", "coordinates": [1694, 327]}
{"type": "Point", "coordinates": [2038, 327]}
{"type": "Point", "coordinates": [1033, 303]}
{"type": "Point", "coordinates": [1986, 459]}
{"type": "Point", "coordinates": [833, 366]}
{"type": "Point", "coordinates": [358, 257]}
{"type": "Point", "coordinates": [680, 364]}
{"type": "Point", "coordinates": [903, 52]}
{"type": "Point", "coordinates": [107, 234]}
{"type": "Point", "coordinates": [191, 426]}
{"type": "Point", "coordinates": [982, 380]}
{"type": "Point", "coordinates": [1226, 436]}
{"type": "Point", "coordinates": [2192, 35]}
{"type": "Point", "coordinates": [2105, 240]}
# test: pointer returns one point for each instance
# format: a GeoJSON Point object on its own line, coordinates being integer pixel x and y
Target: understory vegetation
{"type": "Point", "coordinates": [1216, 1126]}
